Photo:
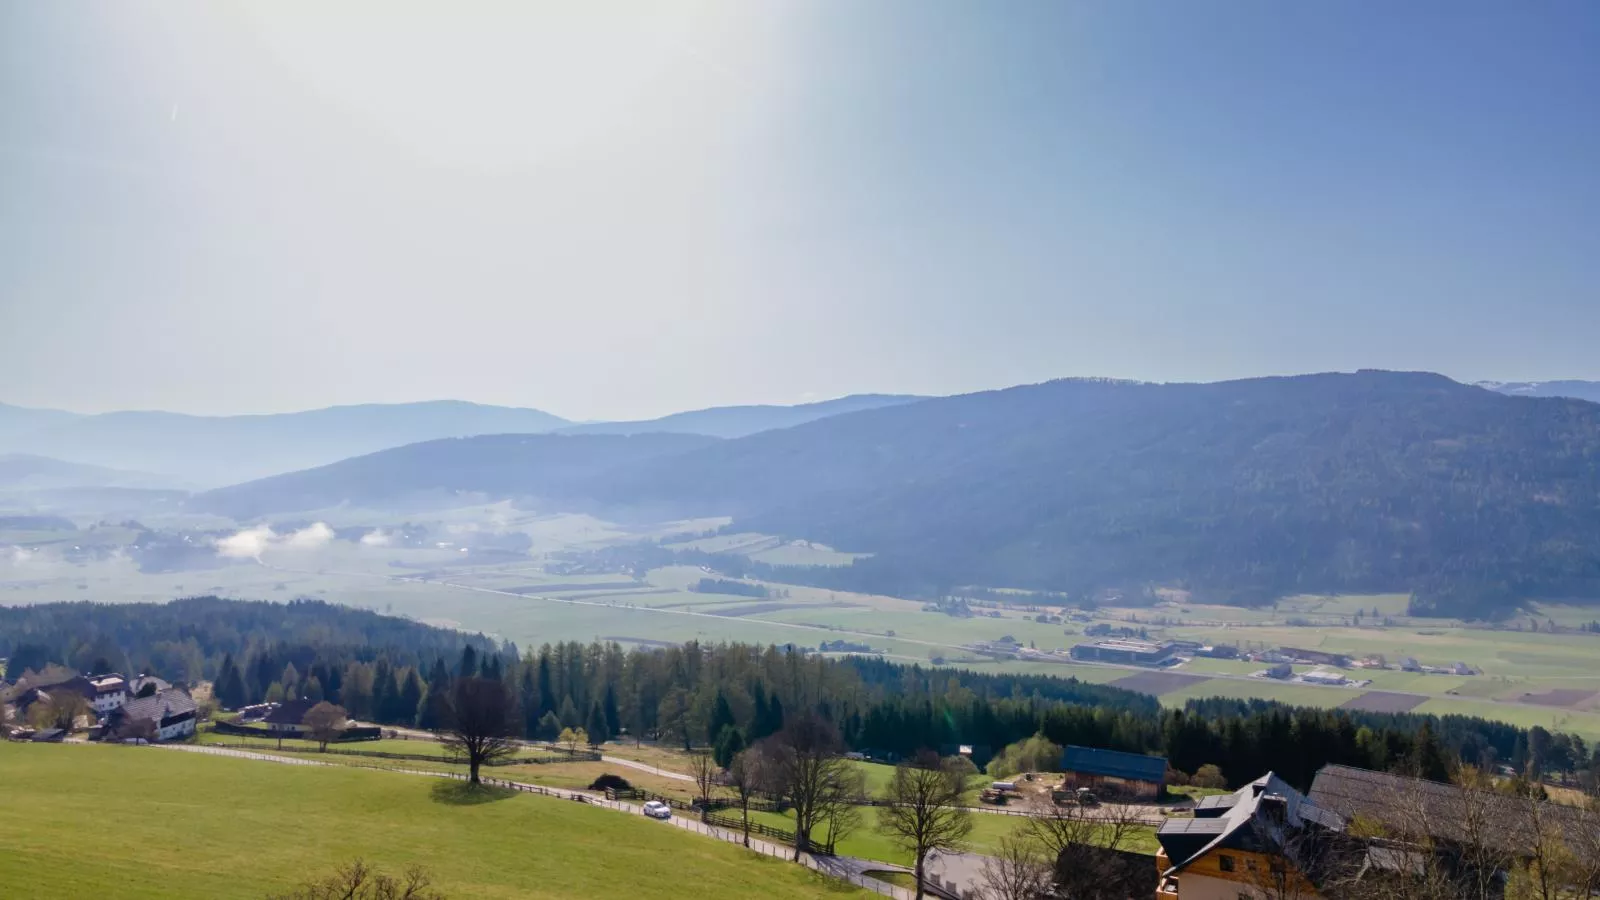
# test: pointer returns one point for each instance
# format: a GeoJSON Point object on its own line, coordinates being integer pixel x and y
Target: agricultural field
{"type": "Point", "coordinates": [1553, 675]}
{"type": "Point", "coordinates": [167, 823]}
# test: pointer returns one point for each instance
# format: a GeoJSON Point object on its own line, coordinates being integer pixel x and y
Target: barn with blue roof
{"type": "Point", "coordinates": [1114, 774]}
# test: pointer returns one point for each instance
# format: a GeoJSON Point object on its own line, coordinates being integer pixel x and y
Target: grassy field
{"type": "Point", "coordinates": [867, 842]}
{"type": "Point", "coordinates": [92, 821]}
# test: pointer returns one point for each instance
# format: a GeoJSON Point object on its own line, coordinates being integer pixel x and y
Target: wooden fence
{"type": "Point", "coordinates": [269, 746]}
{"type": "Point", "coordinates": [736, 823]}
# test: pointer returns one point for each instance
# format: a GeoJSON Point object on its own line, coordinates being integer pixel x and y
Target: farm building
{"type": "Point", "coordinates": [288, 717]}
{"type": "Point", "coordinates": [1117, 650]}
{"type": "Point", "coordinates": [1235, 841]}
{"type": "Point", "coordinates": [1410, 664]}
{"type": "Point", "coordinates": [1319, 657]}
{"type": "Point", "coordinates": [1114, 774]}
{"type": "Point", "coordinates": [172, 714]}
{"type": "Point", "coordinates": [1219, 651]}
{"type": "Point", "coordinates": [110, 692]}
{"type": "Point", "coordinates": [1323, 676]}
{"type": "Point", "coordinates": [1279, 670]}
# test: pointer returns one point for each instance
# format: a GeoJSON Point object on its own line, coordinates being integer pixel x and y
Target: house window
{"type": "Point", "coordinates": [1225, 863]}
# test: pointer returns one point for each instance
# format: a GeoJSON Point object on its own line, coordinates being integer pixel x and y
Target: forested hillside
{"type": "Point", "coordinates": [188, 639]}
{"type": "Point", "coordinates": [1243, 490]}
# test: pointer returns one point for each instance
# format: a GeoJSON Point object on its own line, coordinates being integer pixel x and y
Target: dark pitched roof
{"type": "Point", "coordinates": [291, 712]}
{"type": "Point", "coordinates": [1404, 804]}
{"type": "Point", "coordinates": [1132, 766]}
{"type": "Point", "coordinates": [1243, 824]}
{"type": "Point", "coordinates": [1215, 805]}
{"type": "Point", "coordinates": [159, 706]}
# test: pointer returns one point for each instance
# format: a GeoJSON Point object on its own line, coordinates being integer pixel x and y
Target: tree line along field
{"type": "Point", "coordinates": [87, 820]}
{"type": "Point", "coordinates": [519, 601]}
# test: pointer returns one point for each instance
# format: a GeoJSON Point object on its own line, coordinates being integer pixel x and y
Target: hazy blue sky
{"type": "Point", "coordinates": [618, 210]}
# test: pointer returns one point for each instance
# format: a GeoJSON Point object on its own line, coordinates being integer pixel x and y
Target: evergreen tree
{"type": "Point", "coordinates": [469, 663]}
{"type": "Point", "coordinates": [1428, 758]}
{"type": "Point", "coordinates": [433, 716]}
{"type": "Point", "coordinates": [547, 695]}
{"type": "Point", "coordinates": [491, 666]}
{"type": "Point", "coordinates": [612, 714]}
{"type": "Point", "coordinates": [409, 705]}
{"type": "Point", "coordinates": [382, 691]}
{"type": "Point", "coordinates": [774, 714]}
{"type": "Point", "coordinates": [758, 722]}
{"type": "Point", "coordinates": [596, 726]}
{"type": "Point", "coordinates": [721, 717]}
{"type": "Point", "coordinates": [313, 689]}
{"type": "Point", "coordinates": [230, 688]}
{"type": "Point", "coordinates": [729, 743]}
{"type": "Point", "coordinates": [528, 694]}
{"type": "Point", "coordinates": [333, 685]}
{"type": "Point", "coordinates": [569, 714]}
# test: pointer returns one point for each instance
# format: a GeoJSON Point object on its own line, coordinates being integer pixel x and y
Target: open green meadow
{"type": "Point", "coordinates": [96, 821]}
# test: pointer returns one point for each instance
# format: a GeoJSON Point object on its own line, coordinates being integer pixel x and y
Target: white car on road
{"type": "Point", "coordinates": [655, 809]}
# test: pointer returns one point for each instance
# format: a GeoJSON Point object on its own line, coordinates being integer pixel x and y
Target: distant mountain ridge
{"type": "Point", "coordinates": [25, 472]}
{"type": "Point", "coordinates": [739, 421]}
{"type": "Point", "coordinates": [1242, 490]}
{"type": "Point", "coordinates": [212, 450]}
{"type": "Point", "coordinates": [1577, 390]}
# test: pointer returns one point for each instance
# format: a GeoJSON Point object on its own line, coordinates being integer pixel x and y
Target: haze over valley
{"type": "Point", "coordinates": [1092, 450]}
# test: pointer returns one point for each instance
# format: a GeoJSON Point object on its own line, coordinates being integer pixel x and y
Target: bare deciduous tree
{"type": "Point", "coordinates": [1017, 870]}
{"type": "Point", "coordinates": [325, 722]}
{"type": "Point", "coordinates": [747, 774]}
{"type": "Point", "coordinates": [479, 724]}
{"type": "Point", "coordinates": [137, 730]}
{"type": "Point", "coordinates": [809, 769]}
{"type": "Point", "coordinates": [358, 881]}
{"type": "Point", "coordinates": [925, 811]}
{"type": "Point", "coordinates": [1080, 840]}
{"type": "Point", "coordinates": [62, 710]}
{"type": "Point", "coordinates": [703, 769]}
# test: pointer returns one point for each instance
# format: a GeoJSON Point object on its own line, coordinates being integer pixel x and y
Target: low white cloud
{"type": "Point", "coordinates": [252, 542]}
{"type": "Point", "coordinates": [16, 556]}
{"type": "Point", "coordinates": [311, 537]}
{"type": "Point", "coordinates": [247, 544]}
{"type": "Point", "coordinates": [377, 538]}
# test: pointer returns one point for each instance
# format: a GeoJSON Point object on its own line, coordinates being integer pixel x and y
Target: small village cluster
{"type": "Point", "coordinates": [48, 706]}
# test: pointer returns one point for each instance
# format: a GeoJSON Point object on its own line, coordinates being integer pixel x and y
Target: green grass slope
{"type": "Point", "coordinates": [90, 821]}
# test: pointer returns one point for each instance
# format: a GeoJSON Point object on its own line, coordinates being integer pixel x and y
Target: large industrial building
{"type": "Point", "coordinates": [1140, 653]}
